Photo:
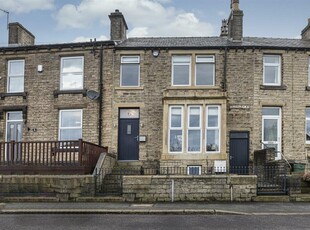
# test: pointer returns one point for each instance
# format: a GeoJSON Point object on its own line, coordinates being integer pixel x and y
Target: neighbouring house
{"type": "Point", "coordinates": [50, 97]}
{"type": "Point", "coordinates": [162, 101]}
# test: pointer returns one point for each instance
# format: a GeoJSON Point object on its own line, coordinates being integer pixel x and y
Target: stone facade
{"type": "Point", "coordinates": [42, 98]}
{"type": "Point", "coordinates": [189, 188]}
{"type": "Point", "coordinates": [238, 91]}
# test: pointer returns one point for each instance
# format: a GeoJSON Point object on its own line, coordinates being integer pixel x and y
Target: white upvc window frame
{"type": "Point", "coordinates": [70, 127]}
{"type": "Point", "coordinates": [307, 112]}
{"type": "Point", "coordinates": [129, 62]}
{"type": "Point", "coordinates": [181, 63]}
{"type": "Point", "coordinates": [21, 76]}
{"type": "Point", "coordinates": [279, 131]}
{"type": "Point", "coordinates": [176, 128]}
{"type": "Point", "coordinates": [208, 60]}
{"type": "Point", "coordinates": [189, 128]}
{"type": "Point", "coordinates": [196, 167]}
{"type": "Point", "coordinates": [63, 74]}
{"type": "Point", "coordinates": [309, 71]}
{"type": "Point", "coordinates": [218, 127]}
{"type": "Point", "coordinates": [276, 65]}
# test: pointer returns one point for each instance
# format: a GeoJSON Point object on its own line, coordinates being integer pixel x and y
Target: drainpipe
{"type": "Point", "coordinates": [225, 71]}
{"type": "Point", "coordinates": [100, 95]}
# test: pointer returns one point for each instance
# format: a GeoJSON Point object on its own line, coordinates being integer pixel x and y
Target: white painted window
{"type": "Point", "coordinates": [181, 70]}
{"type": "Point", "coordinates": [193, 170]}
{"type": "Point", "coordinates": [308, 125]}
{"type": "Point", "coordinates": [130, 71]}
{"type": "Point", "coordinates": [271, 133]}
{"type": "Point", "coordinates": [309, 71]}
{"type": "Point", "coordinates": [70, 124]}
{"type": "Point", "coordinates": [272, 70]}
{"type": "Point", "coordinates": [213, 123]}
{"type": "Point", "coordinates": [205, 70]}
{"type": "Point", "coordinates": [16, 76]}
{"type": "Point", "coordinates": [71, 73]}
{"type": "Point", "coordinates": [176, 129]}
{"type": "Point", "coordinates": [194, 129]}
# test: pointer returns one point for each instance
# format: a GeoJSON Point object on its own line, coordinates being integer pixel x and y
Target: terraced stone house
{"type": "Point", "coordinates": [161, 102]}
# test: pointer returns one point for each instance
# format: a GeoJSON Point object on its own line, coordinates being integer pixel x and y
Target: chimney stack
{"type": "Point", "coordinates": [118, 26]}
{"type": "Point", "coordinates": [235, 22]}
{"type": "Point", "coordinates": [19, 35]}
{"type": "Point", "coordinates": [305, 33]}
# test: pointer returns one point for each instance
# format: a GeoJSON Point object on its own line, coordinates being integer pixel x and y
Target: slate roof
{"type": "Point", "coordinates": [212, 42]}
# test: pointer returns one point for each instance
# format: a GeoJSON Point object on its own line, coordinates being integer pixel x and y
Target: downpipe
{"type": "Point", "coordinates": [172, 190]}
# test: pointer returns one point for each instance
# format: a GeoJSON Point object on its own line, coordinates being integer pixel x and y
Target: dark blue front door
{"type": "Point", "coordinates": [128, 139]}
{"type": "Point", "coordinates": [239, 152]}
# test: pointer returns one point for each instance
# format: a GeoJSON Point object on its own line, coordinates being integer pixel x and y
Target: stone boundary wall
{"type": "Point", "coordinates": [65, 188]}
{"type": "Point", "coordinates": [189, 188]}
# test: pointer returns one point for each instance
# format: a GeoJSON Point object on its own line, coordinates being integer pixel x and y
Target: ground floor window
{"type": "Point", "coordinates": [186, 125]}
{"type": "Point", "coordinates": [70, 124]}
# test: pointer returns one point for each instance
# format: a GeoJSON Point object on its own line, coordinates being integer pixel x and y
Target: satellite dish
{"type": "Point", "coordinates": [92, 94]}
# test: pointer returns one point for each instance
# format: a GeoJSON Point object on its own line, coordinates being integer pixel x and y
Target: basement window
{"type": "Point", "coordinates": [193, 170]}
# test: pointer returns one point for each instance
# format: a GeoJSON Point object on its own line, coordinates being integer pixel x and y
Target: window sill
{"type": "Point", "coordinates": [273, 87]}
{"type": "Point", "coordinates": [194, 87]}
{"type": "Point", "coordinates": [22, 94]}
{"type": "Point", "coordinates": [129, 88]}
{"type": "Point", "coordinates": [79, 91]}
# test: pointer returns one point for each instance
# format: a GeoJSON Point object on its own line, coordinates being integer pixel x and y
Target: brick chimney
{"type": "Point", "coordinates": [19, 35]}
{"type": "Point", "coordinates": [235, 22]}
{"type": "Point", "coordinates": [305, 33]}
{"type": "Point", "coordinates": [118, 26]}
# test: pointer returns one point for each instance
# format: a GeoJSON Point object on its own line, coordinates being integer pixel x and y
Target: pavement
{"type": "Point", "coordinates": [249, 208]}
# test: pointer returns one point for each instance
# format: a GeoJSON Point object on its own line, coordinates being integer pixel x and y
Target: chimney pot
{"type": "Point", "coordinates": [305, 33]}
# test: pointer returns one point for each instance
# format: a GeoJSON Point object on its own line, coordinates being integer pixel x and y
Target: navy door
{"type": "Point", "coordinates": [128, 139]}
{"type": "Point", "coordinates": [239, 152]}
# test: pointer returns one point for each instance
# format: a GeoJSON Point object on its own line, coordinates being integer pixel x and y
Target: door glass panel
{"type": "Point", "coordinates": [270, 130]}
{"type": "Point", "coordinates": [128, 129]}
{"type": "Point", "coordinates": [16, 116]}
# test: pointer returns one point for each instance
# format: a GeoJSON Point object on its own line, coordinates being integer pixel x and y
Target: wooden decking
{"type": "Point", "coordinates": [49, 157]}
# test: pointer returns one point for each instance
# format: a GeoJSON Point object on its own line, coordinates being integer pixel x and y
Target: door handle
{"type": "Point", "coordinates": [231, 157]}
{"type": "Point", "coordinates": [137, 138]}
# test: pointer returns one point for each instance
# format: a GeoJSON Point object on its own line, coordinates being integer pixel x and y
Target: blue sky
{"type": "Point", "coordinates": [60, 21]}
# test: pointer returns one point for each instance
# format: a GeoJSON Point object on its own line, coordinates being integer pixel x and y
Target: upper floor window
{"type": "Point", "coordinates": [272, 70]}
{"type": "Point", "coordinates": [181, 70]}
{"type": "Point", "coordinates": [16, 75]}
{"type": "Point", "coordinates": [205, 70]}
{"type": "Point", "coordinates": [70, 124]}
{"type": "Point", "coordinates": [71, 73]}
{"type": "Point", "coordinates": [130, 71]}
{"type": "Point", "coordinates": [308, 125]}
{"type": "Point", "coordinates": [309, 71]}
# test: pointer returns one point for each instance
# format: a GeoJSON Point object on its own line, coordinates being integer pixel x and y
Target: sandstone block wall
{"type": "Point", "coordinates": [189, 188]}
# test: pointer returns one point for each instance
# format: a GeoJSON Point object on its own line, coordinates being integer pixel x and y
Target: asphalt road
{"type": "Point", "coordinates": [171, 222]}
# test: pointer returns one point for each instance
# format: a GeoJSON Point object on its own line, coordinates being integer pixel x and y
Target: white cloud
{"type": "Point", "coordinates": [87, 39]}
{"type": "Point", "coordinates": [25, 6]}
{"type": "Point", "coordinates": [144, 17]}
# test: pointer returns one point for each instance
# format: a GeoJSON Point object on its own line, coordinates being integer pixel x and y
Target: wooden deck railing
{"type": "Point", "coordinates": [49, 155]}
